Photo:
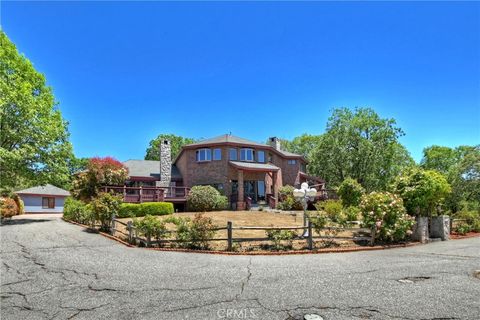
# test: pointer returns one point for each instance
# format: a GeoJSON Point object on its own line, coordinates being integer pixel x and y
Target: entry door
{"type": "Point", "coordinates": [249, 190]}
{"type": "Point", "coordinates": [260, 190]}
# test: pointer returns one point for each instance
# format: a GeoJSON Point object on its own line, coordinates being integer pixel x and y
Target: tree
{"type": "Point", "coordinates": [465, 180]}
{"type": "Point", "coordinates": [303, 145]}
{"type": "Point", "coordinates": [176, 143]}
{"type": "Point", "coordinates": [439, 158]}
{"type": "Point", "coordinates": [34, 138]}
{"type": "Point", "coordinates": [361, 145]}
{"type": "Point", "coordinates": [350, 192]}
{"type": "Point", "coordinates": [422, 191]}
{"type": "Point", "coordinates": [100, 172]}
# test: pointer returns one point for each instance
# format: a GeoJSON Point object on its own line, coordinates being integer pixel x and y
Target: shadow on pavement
{"type": "Point", "coordinates": [21, 221]}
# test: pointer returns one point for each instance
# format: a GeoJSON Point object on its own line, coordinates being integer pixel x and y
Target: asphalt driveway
{"type": "Point", "coordinates": [54, 270]}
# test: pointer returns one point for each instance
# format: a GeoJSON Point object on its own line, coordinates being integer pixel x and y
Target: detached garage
{"type": "Point", "coordinates": [43, 199]}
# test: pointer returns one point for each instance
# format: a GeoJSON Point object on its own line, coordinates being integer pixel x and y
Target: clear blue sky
{"type": "Point", "coordinates": [124, 72]}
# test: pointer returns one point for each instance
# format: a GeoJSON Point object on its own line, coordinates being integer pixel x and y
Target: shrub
{"type": "Point", "coordinates": [73, 209]}
{"type": "Point", "coordinates": [471, 219]}
{"type": "Point", "coordinates": [351, 213]}
{"type": "Point", "coordinates": [385, 212]}
{"type": "Point", "coordinates": [350, 192]}
{"type": "Point", "coordinates": [193, 233]}
{"type": "Point", "coordinates": [104, 207]}
{"type": "Point", "coordinates": [150, 227]}
{"type": "Point", "coordinates": [205, 198]}
{"type": "Point", "coordinates": [281, 238]}
{"type": "Point", "coordinates": [332, 208]}
{"type": "Point", "coordinates": [8, 207]}
{"type": "Point", "coordinates": [463, 228]}
{"type": "Point", "coordinates": [286, 200]}
{"type": "Point", "coordinates": [142, 209]}
{"type": "Point", "coordinates": [321, 223]}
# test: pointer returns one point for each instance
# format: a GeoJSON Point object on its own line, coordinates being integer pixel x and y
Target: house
{"type": "Point", "coordinates": [245, 171]}
{"type": "Point", "coordinates": [43, 199]}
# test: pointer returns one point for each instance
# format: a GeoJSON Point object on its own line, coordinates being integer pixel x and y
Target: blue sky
{"type": "Point", "coordinates": [124, 72]}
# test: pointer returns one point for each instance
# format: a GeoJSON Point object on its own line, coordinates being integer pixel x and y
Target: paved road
{"type": "Point", "coordinates": [55, 270]}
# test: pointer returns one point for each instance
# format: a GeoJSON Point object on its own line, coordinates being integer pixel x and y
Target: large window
{"type": "Point", "coordinates": [204, 155]}
{"type": "Point", "coordinates": [233, 154]}
{"type": "Point", "coordinates": [261, 156]}
{"type": "Point", "coordinates": [246, 154]}
{"type": "Point", "coordinates": [217, 154]}
{"type": "Point", "coordinates": [292, 161]}
{"type": "Point", "coordinates": [48, 202]}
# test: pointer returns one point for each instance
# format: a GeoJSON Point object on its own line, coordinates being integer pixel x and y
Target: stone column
{"type": "Point", "coordinates": [275, 186]}
{"type": "Point", "coordinates": [420, 229]}
{"type": "Point", "coordinates": [240, 199]}
{"type": "Point", "coordinates": [440, 227]}
{"type": "Point", "coordinates": [165, 164]}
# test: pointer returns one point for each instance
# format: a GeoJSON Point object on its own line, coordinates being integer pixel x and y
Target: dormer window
{"type": "Point", "coordinates": [246, 154]}
{"type": "Point", "coordinates": [204, 155]}
{"type": "Point", "coordinates": [292, 161]}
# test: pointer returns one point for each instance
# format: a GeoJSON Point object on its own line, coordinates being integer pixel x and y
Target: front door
{"type": "Point", "coordinates": [249, 190]}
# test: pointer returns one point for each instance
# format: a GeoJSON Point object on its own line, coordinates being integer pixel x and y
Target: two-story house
{"type": "Point", "coordinates": [243, 170]}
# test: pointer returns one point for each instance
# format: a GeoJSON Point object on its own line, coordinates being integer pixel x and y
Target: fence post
{"type": "Point", "coordinates": [310, 236]}
{"type": "Point", "coordinates": [112, 225]}
{"type": "Point", "coordinates": [374, 233]}
{"type": "Point", "coordinates": [148, 241]}
{"type": "Point", "coordinates": [229, 236]}
{"type": "Point", "coordinates": [130, 231]}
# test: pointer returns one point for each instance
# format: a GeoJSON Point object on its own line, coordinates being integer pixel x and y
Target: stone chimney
{"type": "Point", "coordinates": [165, 164]}
{"type": "Point", "coordinates": [275, 143]}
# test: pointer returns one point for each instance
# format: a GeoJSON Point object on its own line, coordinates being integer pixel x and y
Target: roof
{"type": "Point", "coordinates": [47, 190]}
{"type": "Point", "coordinates": [254, 166]}
{"type": "Point", "coordinates": [148, 168]}
{"type": "Point", "coordinates": [231, 139]}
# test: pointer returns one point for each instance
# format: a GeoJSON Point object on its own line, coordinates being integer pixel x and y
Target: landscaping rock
{"type": "Point", "coordinates": [420, 230]}
{"type": "Point", "coordinates": [312, 317]}
{"type": "Point", "coordinates": [440, 227]}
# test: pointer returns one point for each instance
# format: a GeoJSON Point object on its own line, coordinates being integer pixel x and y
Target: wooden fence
{"type": "Point", "coordinates": [133, 237]}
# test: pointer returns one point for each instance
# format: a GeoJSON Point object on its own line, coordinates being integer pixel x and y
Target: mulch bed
{"type": "Point", "coordinates": [455, 236]}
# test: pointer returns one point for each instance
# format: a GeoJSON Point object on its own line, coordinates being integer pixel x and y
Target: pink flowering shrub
{"type": "Point", "coordinates": [385, 212]}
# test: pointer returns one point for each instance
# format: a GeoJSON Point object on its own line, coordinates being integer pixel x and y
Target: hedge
{"type": "Point", "coordinates": [142, 209]}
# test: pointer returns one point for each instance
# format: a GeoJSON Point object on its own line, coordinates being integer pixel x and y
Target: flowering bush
{"type": "Point", "coordinates": [286, 199]}
{"type": "Point", "coordinates": [100, 172]}
{"type": "Point", "coordinates": [104, 207]}
{"type": "Point", "coordinates": [385, 212]}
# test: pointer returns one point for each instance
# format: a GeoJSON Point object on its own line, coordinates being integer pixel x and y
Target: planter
{"type": "Point", "coordinates": [420, 229]}
{"type": "Point", "coordinates": [440, 227]}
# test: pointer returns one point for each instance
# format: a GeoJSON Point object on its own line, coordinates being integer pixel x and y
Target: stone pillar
{"type": "Point", "coordinates": [240, 199]}
{"type": "Point", "coordinates": [275, 143]}
{"type": "Point", "coordinates": [420, 229]}
{"type": "Point", "coordinates": [165, 164]}
{"type": "Point", "coordinates": [275, 186]}
{"type": "Point", "coordinates": [440, 227]}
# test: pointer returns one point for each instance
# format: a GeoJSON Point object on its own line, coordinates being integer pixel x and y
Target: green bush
{"type": "Point", "coordinates": [286, 200]}
{"type": "Point", "coordinates": [385, 212]}
{"type": "Point", "coordinates": [150, 227]}
{"type": "Point", "coordinates": [322, 224]}
{"type": "Point", "coordinates": [205, 198]}
{"type": "Point", "coordinates": [78, 211]}
{"type": "Point", "coordinates": [350, 192]}
{"type": "Point", "coordinates": [332, 208]}
{"type": "Point", "coordinates": [471, 219]}
{"type": "Point", "coordinates": [104, 207]}
{"type": "Point", "coordinates": [351, 213]}
{"type": "Point", "coordinates": [463, 229]}
{"type": "Point", "coordinates": [193, 233]}
{"type": "Point", "coordinates": [281, 239]}
{"type": "Point", "coordinates": [142, 209]}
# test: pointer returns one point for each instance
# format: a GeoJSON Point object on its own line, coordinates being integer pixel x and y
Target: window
{"type": "Point", "coordinates": [217, 154]}
{"type": "Point", "coordinates": [48, 202]}
{"type": "Point", "coordinates": [233, 154]}
{"type": "Point", "coordinates": [246, 154]}
{"type": "Point", "coordinates": [292, 161]}
{"type": "Point", "coordinates": [261, 156]}
{"type": "Point", "coordinates": [303, 167]}
{"type": "Point", "coordinates": [204, 155]}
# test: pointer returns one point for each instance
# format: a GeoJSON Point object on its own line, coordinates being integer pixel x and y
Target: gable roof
{"type": "Point", "coordinates": [47, 190]}
{"type": "Point", "coordinates": [231, 139]}
{"type": "Point", "coordinates": [147, 168]}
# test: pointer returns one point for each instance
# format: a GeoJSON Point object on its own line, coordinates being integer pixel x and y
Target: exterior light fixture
{"type": "Point", "coordinates": [305, 194]}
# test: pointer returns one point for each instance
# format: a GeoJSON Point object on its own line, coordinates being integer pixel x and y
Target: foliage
{"type": "Point", "coordinates": [332, 208]}
{"type": "Point", "coordinates": [350, 192]}
{"type": "Point", "coordinates": [205, 198]}
{"type": "Point", "coordinates": [323, 225]}
{"type": "Point", "coordinates": [422, 191]}
{"type": "Point", "coordinates": [385, 212]}
{"type": "Point", "coordinates": [439, 158]}
{"type": "Point", "coordinates": [104, 207]}
{"type": "Point", "coordinates": [8, 207]}
{"type": "Point", "coordinates": [176, 144]}
{"type": "Point", "coordinates": [351, 213]}
{"type": "Point", "coordinates": [78, 211]}
{"type": "Point", "coordinates": [471, 220]}
{"type": "Point", "coordinates": [361, 145]}
{"type": "Point", "coordinates": [281, 239]}
{"type": "Point", "coordinates": [100, 172]}
{"type": "Point", "coordinates": [303, 145]}
{"type": "Point", "coordinates": [463, 228]}
{"type": "Point", "coordinates": [34, 138]}
{"type": "Point", "coordinates": [194, 233]}
{"type": "Point", "coordinates": [286, 199]}
{"type": "Point", "coordinates": [146, 208]}
{"type": "Point", "coordinates": [150, 227]}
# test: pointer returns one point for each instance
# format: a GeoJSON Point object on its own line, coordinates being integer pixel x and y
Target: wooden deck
{"type": "Point", "coordinates": [150, 194]}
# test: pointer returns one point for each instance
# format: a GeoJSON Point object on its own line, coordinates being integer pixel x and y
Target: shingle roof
{"type": "Point", "coordinates": [47, 190]}
{"type": "Point", "coordinates": [228, 138]}
{"type": "Point", "coordinates": [254, 166]}
{"type": "Point", "coordinates": [147, 168]}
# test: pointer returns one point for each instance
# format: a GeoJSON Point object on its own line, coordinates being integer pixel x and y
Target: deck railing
{"type": "Point", "coordinates": [149, 194]}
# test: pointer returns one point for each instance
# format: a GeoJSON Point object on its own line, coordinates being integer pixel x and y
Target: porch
{"type": "Point", "coordinates": [150, 194]}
